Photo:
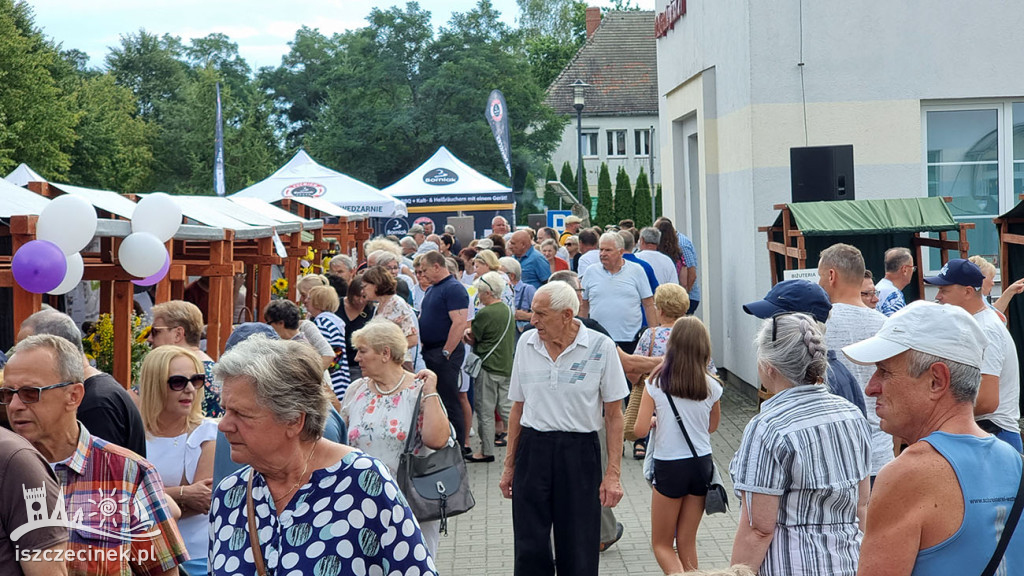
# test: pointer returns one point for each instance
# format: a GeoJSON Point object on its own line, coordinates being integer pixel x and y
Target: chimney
{"type": "Point", "coordinates": [593, 19]}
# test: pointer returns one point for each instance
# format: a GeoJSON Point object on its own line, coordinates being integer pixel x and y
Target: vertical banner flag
{"type": "Point", "coordinates": [218, 155]}
{"type": "Point", "coordinates": [497, 117]}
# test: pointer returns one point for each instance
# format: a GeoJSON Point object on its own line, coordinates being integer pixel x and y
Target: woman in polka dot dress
{"type": "Point", "coordinates": [320, 508]}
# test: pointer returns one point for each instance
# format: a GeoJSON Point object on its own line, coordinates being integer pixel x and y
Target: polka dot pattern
{"type": "Point", "coordinates": [349, 519]}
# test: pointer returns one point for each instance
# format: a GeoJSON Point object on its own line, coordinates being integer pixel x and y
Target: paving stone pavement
{"type": "Point", "coordinates": [480, 541]}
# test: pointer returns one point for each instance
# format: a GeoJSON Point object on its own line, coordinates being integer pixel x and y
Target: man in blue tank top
{"type": "Point", "coordinates": [941, 507]}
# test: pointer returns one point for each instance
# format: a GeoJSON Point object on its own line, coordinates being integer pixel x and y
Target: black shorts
{"type": "Point", "coordinates": [678, 478]}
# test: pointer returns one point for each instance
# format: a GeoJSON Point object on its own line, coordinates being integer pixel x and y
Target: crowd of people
{"type": "Point", "coordinates": [282, 455]}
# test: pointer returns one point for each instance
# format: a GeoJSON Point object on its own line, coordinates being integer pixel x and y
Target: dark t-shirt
{"type": "Point", "coordinates": [441, 298]}
{"type": "Point", "coordinates": [107, 411]}
{"type": "Point", "coordinates": [351, 325]}
{"type": "Point", "coordinates": [23, 469]}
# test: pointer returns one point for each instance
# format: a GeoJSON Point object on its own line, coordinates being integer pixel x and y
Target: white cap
{"type": "Point", "coordinates": [946, 331]}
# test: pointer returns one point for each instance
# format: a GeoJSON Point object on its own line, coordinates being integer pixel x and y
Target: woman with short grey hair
{"type": "Point", "coordinates": [802, 467]}
{"type": "Point", "coordinates": [492, 336]}
{"type": "Point", "coordinates": [275, 408]}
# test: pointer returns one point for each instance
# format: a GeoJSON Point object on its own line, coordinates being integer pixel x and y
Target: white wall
{"type": "Point", "coordinates": [730, 69]}
{"type": "Point", "coordinates": [566, 151]}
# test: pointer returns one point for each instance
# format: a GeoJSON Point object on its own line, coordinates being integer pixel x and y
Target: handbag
{"type": "Point", "coordinates": [635, 396]}
{"type": "Point", "coordinates": [254, 539]}
{"type": "Point", "coordinates": [1011, 522]}
{"type": "Point", "coordinates": [474, 363]}
{"type": "Point", "coordinates": [435, 485]}
{"type": "Point", "coordinates": [716, 501]}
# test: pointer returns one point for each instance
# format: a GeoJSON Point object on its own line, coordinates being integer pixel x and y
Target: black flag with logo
{"type": "Point", "coordinates": [497, 117]}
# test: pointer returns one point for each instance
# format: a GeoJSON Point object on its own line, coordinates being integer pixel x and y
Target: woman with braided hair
{"type": "Point", "coordinates": [801, 472]}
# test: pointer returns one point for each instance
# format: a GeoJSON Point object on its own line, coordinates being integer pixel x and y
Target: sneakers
{"type": "Point", "coordinates": [619, 529]}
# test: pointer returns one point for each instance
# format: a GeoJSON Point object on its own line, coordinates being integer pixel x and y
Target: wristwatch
{"type": "Point", "coordinates": [445, 353]}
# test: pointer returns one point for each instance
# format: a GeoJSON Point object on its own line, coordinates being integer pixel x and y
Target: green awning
{"type": "Point", "coordinates": [854, 217]}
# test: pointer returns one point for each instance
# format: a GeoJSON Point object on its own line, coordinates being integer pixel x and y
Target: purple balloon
{"type": "Point", "coordinates": [154, 278]}
{"type": "Point", "coordinates": [39, 266]}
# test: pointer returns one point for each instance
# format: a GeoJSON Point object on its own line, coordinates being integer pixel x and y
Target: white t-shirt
{"type": "Point", "coordinates": [848, 324]}
{"type": "Point", "coordinates": [664, 269]}
{"type": "Point", "coordinates": [568, 393]}
{"type": "Point", "coordinates": [1000, 359]}
{"type": "Point", "coordinates": [616, 299]}
{"type": "Point", "coordinates": [170, 461]}
{"type": "Point", "coordinates": [588, 259]}
{"type": "Point", "coordinates": [669, 442]}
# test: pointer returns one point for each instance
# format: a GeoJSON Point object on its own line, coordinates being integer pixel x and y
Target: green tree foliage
{"type": "Point", "coordinates": [642, 201]}
{"type": "Point", "coordinates": [113, 148]}
{"type": "Point", "coordinates": [151, 67]}
{"type": "Point", "coordinates": [585, 196]}
{"type": "Point", "coordinates": [567, 180]}
{"type": "Point", "coordinates": [623, 196]}
{"type": "Point", "coordinates": [37, 117]}
{"type": "Point", "coordinates": [554, 30]}
{"type": "Point", "coordinates": [605, 200]}
{"type": "Point", "coordinates": [657, 204]}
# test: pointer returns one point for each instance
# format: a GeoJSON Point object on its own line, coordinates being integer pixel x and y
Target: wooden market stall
{"type": "Point", "coordinates": [348, 229]}
{"type": "Point", "coordinates": [803, 229]}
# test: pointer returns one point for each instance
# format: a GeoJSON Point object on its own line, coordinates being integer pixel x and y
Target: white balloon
{"type": "Point", "coordinates": [76, 268]}
{"type": "Point", "coordinates": [157, 214]}
{"type": "Point", "coordinates": [69, 222]}
{"type": "Point", "coordinates": [142, 254]}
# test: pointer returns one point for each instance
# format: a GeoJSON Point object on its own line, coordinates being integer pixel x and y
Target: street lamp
{"type": "Point", "coordinates": [579, 88]}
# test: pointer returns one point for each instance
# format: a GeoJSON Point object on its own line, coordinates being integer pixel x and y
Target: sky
{"type": "Point", "coordinates": [261, 28]}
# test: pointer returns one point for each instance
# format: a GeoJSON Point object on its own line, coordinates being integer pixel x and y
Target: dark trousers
{"type": "Point", "coordinates": [449, 377]}
{"type": "Point", "coordinates": [557, 482]}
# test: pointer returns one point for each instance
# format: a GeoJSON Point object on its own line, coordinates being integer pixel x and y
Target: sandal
{"type": "Point", "coordinates": [501, 439]}
{"type": "Point", "coordinates": [639, 449]}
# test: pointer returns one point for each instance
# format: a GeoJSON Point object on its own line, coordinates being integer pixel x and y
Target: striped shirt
{"type": "Point", "coordinates": [333, 330]}
{"type": "Point", "coordinates": [111, 495]}
{"type": "Point", "coordinates": [811, 449]}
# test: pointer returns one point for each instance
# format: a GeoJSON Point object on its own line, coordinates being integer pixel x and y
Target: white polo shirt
{"type": "Point", "coordinates": [616, 299]}
{"type": "Point", "coordinates": [588, 259]}
{"type": "Point", "coordinates": [1000, 359]}
{"type": "Point", "coordinates": [566, 394]}
{"type": "Point", "coordinates": [664, 270]}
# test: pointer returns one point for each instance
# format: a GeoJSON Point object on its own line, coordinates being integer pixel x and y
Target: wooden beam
{"type": "Point", "coordinates": [122, 317]}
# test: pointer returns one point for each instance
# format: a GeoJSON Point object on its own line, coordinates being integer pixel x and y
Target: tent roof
{"type": "Point", "coordinates": [468, 180]}
{"type": "Point", "coordinates": [851, 217]}
{"type": "Point", "coordinates": [17, 201]}
{"type": "Point", "coordinates": [303, 178]}
{"type": "Point", "coordinates": [22, 175]}
{"type": "Point", "coordinates": [103, 199]}
{"type": "Point", "coordinates": [269, 210]}
{"type": "Point", "coordinates": [1015, 212]}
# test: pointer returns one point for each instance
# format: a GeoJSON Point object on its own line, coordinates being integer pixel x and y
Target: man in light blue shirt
{"type": "Point", "coordinates": [535, 267]}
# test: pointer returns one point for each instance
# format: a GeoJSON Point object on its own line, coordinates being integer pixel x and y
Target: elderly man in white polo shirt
{"type": "Point", "coordinates": [617, 293]}
{"type": "Point", "coordinates": [564, 377]}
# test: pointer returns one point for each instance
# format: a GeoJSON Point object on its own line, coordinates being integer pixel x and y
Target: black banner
{"type": "Point", "coordinates": [497, 117]}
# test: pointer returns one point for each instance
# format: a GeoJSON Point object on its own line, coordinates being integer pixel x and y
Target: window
{"type": "Point", "coordinates": [642, 142]}
{"type": "Point", "coordinates": [589, 144]}
{"type": "Point", "coordinates": [966, 151]}
{"type": "Point", "coordinates": [616, 142]}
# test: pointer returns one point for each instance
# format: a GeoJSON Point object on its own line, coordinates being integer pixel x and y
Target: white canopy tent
{"type": "Point", "coordinates": [22, 175]}
{"type": "Point", "coordinates": [446, 184]}
{"type": "Point", "coordinates": [302, 179]}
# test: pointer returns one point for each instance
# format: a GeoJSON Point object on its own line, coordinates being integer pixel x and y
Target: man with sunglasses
{"type": "Point", "coordinates": [114, 498]}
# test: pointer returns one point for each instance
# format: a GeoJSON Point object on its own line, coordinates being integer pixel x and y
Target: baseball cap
{"type": "Point", "coordinates": [244, 331]}
{"type": "Point", "coordinates": [573, 219]}
{"type": "Point", "coordinates": [945, 331]}
{"type": "Point", "coordinates": [958, 271]}
{"type": "Point", "coordinates": [792, 296]}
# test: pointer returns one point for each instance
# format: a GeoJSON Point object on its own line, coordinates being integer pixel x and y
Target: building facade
{"type": "Point", "coordinates": [619, 63]}
{"type": "Point", "coordinates": [928, 93]}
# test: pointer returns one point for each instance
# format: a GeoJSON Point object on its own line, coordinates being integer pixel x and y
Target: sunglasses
{"type": "Point", "coordinates": [178, 383]}
{"type": "Point", "coordinates": [775, 321]}
{"type": "Point", "coordinates": [28, 394]}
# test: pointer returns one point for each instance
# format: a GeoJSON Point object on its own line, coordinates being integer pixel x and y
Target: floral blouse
{"type": "Point", "coordinates": [211, 397]}
{"type": "Point", "coordinates": [399, 312]}
{"type": "Point", "coordinates": [661, 334]}
{"type": "Point", "coordinates": [379, 424]}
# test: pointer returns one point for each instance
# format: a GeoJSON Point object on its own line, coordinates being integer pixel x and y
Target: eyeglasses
{"type": "Point", "coordinates": [912, 268]}
{"type": "Point", "coordinates": [178, 383]}
{"type": "Point", "coordinates": [869, 293]}
{"type": "Point", "coordinates": [158, 329]}
{"type": "Point", "coordinates": [775, 322]}
{"type": "Point", "coordinates": [28, 394]}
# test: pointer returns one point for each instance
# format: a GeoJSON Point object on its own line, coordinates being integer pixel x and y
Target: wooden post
{"type": "Point", "coordinates": [121, 315]}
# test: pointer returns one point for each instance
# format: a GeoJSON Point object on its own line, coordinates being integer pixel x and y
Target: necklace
{"type": "Point", "coordinates": [297, 484]}
{"type": "Point", "coordinates": [383, 392]}
{"type": "Point", "coordinates": [184, 431]}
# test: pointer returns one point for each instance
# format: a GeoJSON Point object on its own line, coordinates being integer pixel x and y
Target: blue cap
{"type": "Point", "coordinates": [792, 296]}
{"type": "Point", "coordinates": [958, 271]}
{"type": "Point", "coordinates": [245, 330]}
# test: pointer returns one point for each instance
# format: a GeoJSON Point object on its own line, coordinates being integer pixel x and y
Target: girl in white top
{"type": "Point", "coordinates": [180, 443]}
{"type": "Point", "coordinates": [680, 474]}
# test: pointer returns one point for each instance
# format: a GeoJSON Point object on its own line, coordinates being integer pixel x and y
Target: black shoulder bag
{"type": "Point", "coordinates": [717, 501]}
{"type": "Point", "coordinates": [1011, 524]}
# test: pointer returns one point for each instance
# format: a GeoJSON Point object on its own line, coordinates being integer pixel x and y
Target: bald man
{"type": "Point", "coordinates": [535, 267]}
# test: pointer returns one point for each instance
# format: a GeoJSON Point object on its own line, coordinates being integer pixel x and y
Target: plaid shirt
{"type": "Point", "coordinates": [111, 494]}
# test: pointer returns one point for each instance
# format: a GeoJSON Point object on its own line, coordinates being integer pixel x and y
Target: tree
{"type": "Point", "coordinates": [657, 204]}
{"type": "Point", "coordinates": [585, 196]}
{"type": "Point", "coordinates": [605, 202]}
{"type": "Point", "coordinates": [113, 150]}
{"type": "Point", "coordinates": [642, 201]}
{"type": "Point", "coordinates": [554, 30]}
{"type": "Point", "coordinates": [623, 197]}
{"type": "Point", "coordinates": [567, 180]}
{"type": "Point", "coordinates": [218, 52]}
{"type": "Point", "coordinates": [37, 119]}
{"type": "Point", "coordinates": [151, 68]}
